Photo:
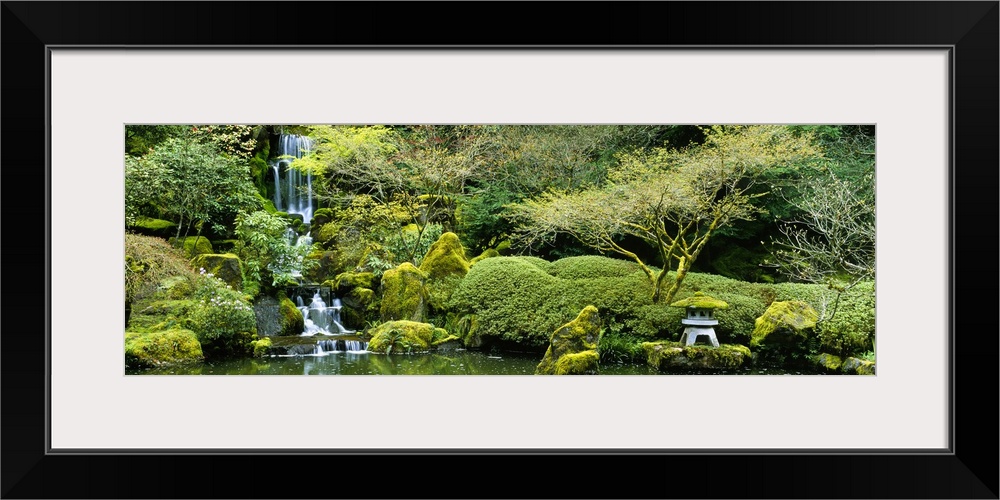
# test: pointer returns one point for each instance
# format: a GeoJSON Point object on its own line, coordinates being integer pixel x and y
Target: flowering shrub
{"type": "Point", "coordinates": [223, 320]}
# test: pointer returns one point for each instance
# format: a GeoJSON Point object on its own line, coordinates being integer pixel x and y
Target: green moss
{"type": "Point", "coordinates": [225, 266]}
{"type": "Point", "coordinates": [193, 245]}
{"type": "Point", "coordinates": [321, 216]}
{"type": "Point", "coordinates": [445, 265]}
{"type": "Point", "coordinates": [154, 227]}
{"type": "Point", "coordinates": [261, 346]}
{"type": "Point", "coordinates": [700, 301]}
{"type": "Point", "coordinates": [327, 232]}
{"type": "Point", "coordinates": [784, 322]}
{"type": "Point", "coordinates": [404, 294]}
{"type": "Point", "coordinates": [828, 362]}
{"type": "Point", "coordinates": [504, 248]}
{"type": "Point", "coordinates": [395, 337]}
{"type": "Point", "coordinates": [857, 366]}
{"type": "Point", "coordinates": [581, 363]}
{"type": "Point", "coordinates": [160, 314]}
{"type": "Point", "coordinates": [576, 337]}
{"type": "Point", "coordinates": [346, 281]}
{"type": "Point", "coordinates": [149, 349]}
{"type": "Point", "coordinates": [485, 255]}
{"type": "Point", "coordinates": [669, 357]}
{"type": "Point", "coordinates": [292, 322]}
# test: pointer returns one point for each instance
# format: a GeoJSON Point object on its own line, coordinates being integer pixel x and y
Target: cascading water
{"type": "Point", "coordinates": [320, 318]}
{"type": "Point", "coordinates": [329, 346]}
{"type": "Point", "coordinates": [297, 196]}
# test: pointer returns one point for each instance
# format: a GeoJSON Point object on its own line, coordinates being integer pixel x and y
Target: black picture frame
{"type": "Point", "coordinates": [969, 470]}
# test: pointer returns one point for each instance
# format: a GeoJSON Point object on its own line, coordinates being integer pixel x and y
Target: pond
{"type": "Point", "coordinates": [457, 362]}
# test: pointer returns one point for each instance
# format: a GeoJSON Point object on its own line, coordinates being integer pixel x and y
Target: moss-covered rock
{"type": "Point", "coordinates": [321, 216]}
{"type": "Point", "coordinates": [827, 362]}
{"type": "Point", "coordinates": [857, 366]}
{"type": "Point", "coordinates": [446, 257]}
{"type": "Point", "coordinates": [577, 342]}
{"type": "Point", "coordinates": [193, 245]}
{"type": "Point", "coordinates": [345, 282]}
{"type": "Point", "coordinates": [485, 255]}
{"type": "Point", "coordinates": [784, 322]}
{"type": "Point", "coordinates": [154, 227]}
{"type": "Point", "coordinates": [291, 321]}
{"type": "Point", "coordinates": [445, 265]}
{"type": "Point", "coordinates": [159, 348]}
{"type": "Point", "coordinates": [225, 266]}
{"type": "Point", "coordinates": [700, 301]}
{"type": "Point", "coordinates": [670, 357]}
{"type": "Point", "coordinates": [261, 347]}
{"type": "Point", "coordinates": [404, 294]}
{"type": "Point", "coordinates": [395, 337]}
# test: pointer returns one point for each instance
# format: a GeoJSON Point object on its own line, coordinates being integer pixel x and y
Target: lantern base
{"type": "Point", "coordinates": [692, 333]}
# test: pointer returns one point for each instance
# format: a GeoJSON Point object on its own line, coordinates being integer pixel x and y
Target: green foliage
{"type": "Point", "coordinates": [158, 348]}
{"type": "Point", "coordinates": [671, 199]}
{"type": "Point", "coordinates": [141, 139]}
{"type": "Point", "coordinates": [266, 250]}
{"type": "Point", "coordinates": [617, 347]}
{"type": "Point", "coordinates": [190, 182]}
{"type": "Point", "coordinates": [224, 320]}
{"type": "Point", "coordinates": [149, 261]}
{"type": "Point", "coordinates": [513, 299]}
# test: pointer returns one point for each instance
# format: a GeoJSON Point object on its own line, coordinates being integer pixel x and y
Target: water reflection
{"type": "Point", "coordinates": [457, 362]}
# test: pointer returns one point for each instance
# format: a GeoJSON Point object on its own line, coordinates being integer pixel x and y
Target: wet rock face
{"type": "Point", "coordinates": [573, 346]}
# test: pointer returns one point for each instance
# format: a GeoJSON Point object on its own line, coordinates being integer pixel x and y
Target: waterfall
{"type": "Point", "coordinates": [298, 195]}
{"type": "Point", "coordinates": [324, 347]}
{"type": "Point", "coordinates": [320, 318]}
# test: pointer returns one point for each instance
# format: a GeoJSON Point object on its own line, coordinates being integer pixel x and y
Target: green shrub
{"type": "Point", "coordinates": [224, 320]}
{"type": "Point", "coordinates": [523, 299]}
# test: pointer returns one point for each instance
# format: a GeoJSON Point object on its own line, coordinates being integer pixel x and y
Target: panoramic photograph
{"type": "Point", "coordinates": [499, 249]}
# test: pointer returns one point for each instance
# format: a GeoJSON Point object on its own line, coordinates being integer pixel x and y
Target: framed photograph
{"type": "Point", "coordinates": [922, 76]}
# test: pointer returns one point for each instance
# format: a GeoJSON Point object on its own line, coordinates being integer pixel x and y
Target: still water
{"type": "Point", "coordinates": [365, 363]}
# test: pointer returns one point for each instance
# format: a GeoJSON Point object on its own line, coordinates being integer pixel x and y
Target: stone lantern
{"type": "Point", "coordinates": [700, 318]}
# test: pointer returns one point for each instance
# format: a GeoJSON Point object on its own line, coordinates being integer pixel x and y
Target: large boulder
{"type": "Point", "coordinates": [192, 245]}
{"type": "Point", "coordinates": [291, 321]}
{"type": "Point", "coordinates": [783, 334]}
{"type": "Point", "coordinates": [784, 323]}
{"type": "Point", "coordinates": [670, 357]}
{"type": "Point", "coordinates": [154, 227]}
{"type": "Point", "coordinates": [445, 265]}
{"type": "Point", "coordinates": [404, 294]}
{"type": "Point", "coordinates": [225, 266]}
{"type": "Point", "coordinates": [857, 366]}
{"type": "Point", "coordinates": [396, 337]}
{"type": "Point", "coordinates": [277, 317]}
{"type": "Point", "coordinates": [159, 348]}
{"type": "Point", "coordinates": [573, 347]}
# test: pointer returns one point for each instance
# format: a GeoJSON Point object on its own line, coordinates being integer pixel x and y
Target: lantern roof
{"type": "Point", "coordinates": [700, 301]}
